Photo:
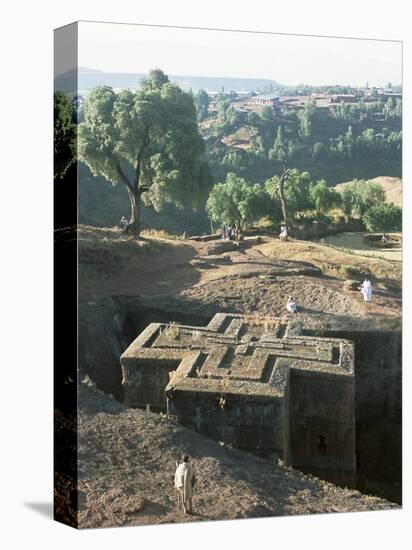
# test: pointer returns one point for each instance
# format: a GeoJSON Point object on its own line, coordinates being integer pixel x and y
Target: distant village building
{"type": "Point", "coordinates": [294, 102]}
{"type": "Point", "coordinates": [387, 95]}
{"type": "Point", "coordinates": [269, 100]}
{"type": "Point", "coordinates": [316, 95]}
{"type": "Point", "coordinates": [344, 98]}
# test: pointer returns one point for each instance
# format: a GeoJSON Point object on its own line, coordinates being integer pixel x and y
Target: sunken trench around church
{"type": "Point", "coordinates": [265, 385]}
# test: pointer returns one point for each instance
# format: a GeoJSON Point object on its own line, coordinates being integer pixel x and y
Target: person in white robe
{"type": "Point", "coordinates": [291, 305]}
{"type": "Point", "coordinates": [366, 290]}
{"type": "Point", "coordinates": [283, 235]}
{"type": "Point", "coordinates": [184, 484]}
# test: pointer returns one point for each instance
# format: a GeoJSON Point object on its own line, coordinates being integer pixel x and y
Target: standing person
{"type": "Point", "coordinates": [184, 479]}
{"type": "Point", "coordinates": [366, 289]}
{"type": "Point", "coordinates": [123, 222]}
{"type": "Point", "coordinates": [283, 236]}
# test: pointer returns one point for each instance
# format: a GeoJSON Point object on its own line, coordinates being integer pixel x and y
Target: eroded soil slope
{"type": "Point", "coordinates": [127, 461]}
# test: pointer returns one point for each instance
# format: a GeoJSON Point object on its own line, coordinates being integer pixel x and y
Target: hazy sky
{"type": "Point", "coordinates": [287, 59]}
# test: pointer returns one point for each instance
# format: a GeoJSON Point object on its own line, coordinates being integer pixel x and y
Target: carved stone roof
{"type": "Point", "coordinates": [237, 354]}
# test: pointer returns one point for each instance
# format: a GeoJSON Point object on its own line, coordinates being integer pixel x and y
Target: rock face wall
{"type": "Point", "coordinates": [378, 399]}
{"type": "Point", "coordinates": [321, 419]}
{"type": "Point", "coordinates": [256, 384]}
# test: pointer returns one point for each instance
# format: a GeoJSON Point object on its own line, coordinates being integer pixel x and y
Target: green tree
{"type": "Point", "coordinates": [235, 160]}
{"type": "Point", "coordinates": [260, 145]}
{"type": "Point", "coordinates": [222, 105]}
{"type": "Point", "coordinates": [202, 104]}
{"type": "Point", "coordinates": [305, 119]}
{"type": "Point", "coordinates": [360, 195]}
{"type": "Point", "coordinates": [389, 108]}
{"type": "Point", "coordinates": [318, 150]}
{"type": "Point", "coordinates": [237, 202]}
{"type": "Point", "coordinates": [323, 197]}
{"type": "Point", "coordinates": [267, 114]}
{"type": "Point", "coordinates": [64, 135]}
{"type": "Point", "coordinates": [398, 108]}
{"type": "Point", "coordinates": [157, 78]}
{"type": "Point", "coordinates": [231, 116]}
{"type": "Point", "coordinates": [149, 141]}
{"type": "Point", "coordinates": [253, 119]}
{"type": "Point", "coordinates": [383, 217]}
{"type": "Point", "coordinates": [349, 141]}
{"type": "Point", "coordinates": [292, 191]}
{"type": "Point", "coordinates": [296, 191]}
{"type": "Point", "coordinates": [279, 150]}
{"type": "Point", "coordinates": [348, 200]}
{"type": "Point", "coordinates": [293, 150]}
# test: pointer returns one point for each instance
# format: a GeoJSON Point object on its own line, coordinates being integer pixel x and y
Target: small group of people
{"type": "Point", "coordinates": [283, 235]}
{"type": "Point", "coordinates": [184, 483]}
{"type": "Point", "coordinates": [231, 233]}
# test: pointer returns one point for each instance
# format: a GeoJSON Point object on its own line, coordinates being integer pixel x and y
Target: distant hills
{"type": "Point", "coordinates": [89, 78]}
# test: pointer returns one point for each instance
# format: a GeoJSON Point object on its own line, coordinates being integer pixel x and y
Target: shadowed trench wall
{"type": "Point", "coordinates": [106, 328]}
{"type": "Point", "coordinates": [378, 409]}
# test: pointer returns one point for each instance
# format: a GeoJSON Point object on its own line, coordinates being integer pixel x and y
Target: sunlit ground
{"type": "Point", "coordinates": [355, 242]}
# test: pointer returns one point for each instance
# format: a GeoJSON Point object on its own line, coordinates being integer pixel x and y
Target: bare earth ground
{"type": "Point", "coordinates": [254, 279]}
{"type": "Point", "coordinates": [127, 462]}
{"type": "Point", "coordinates": [127, 456]}
{"type": "Point", "coordinates": [259, 280]}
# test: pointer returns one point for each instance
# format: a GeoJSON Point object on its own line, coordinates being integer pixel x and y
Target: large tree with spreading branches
{"type": "Point", "coordinates": [149, 141]}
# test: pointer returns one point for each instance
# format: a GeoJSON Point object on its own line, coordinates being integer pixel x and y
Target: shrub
{"type": "Point", "coordinates": [383, 217]}
{"type": "Point", "coordinates": [355, 272]}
